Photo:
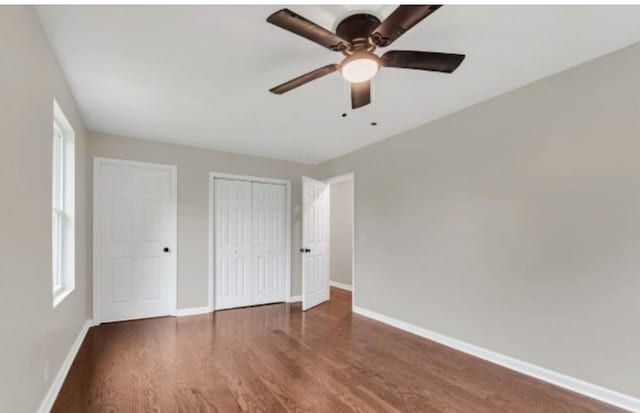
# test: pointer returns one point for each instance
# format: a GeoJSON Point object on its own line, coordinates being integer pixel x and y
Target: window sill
{"type": "Point", "coordinates": [59, 297]}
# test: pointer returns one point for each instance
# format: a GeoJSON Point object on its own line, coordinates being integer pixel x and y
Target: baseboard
{"type": "Point", "coordinates": [587, 389]}
{"type": "Point", "coordinates": [182, 312]}
{"type": "Point", "coordinates": [294, 299]}
{"type": "Point", "coordinates": [56, 384]}
{"type": "Point", "coordinates": [342, 286]}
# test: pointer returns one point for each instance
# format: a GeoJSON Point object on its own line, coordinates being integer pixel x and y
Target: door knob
{"type": "Point", "coordinates": [166, 249]}
{"type": "Point", "coordinates": [303, 250]}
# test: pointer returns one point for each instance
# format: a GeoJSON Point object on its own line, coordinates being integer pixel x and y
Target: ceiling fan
{"type": "Point", "coordinates": [357, 37]}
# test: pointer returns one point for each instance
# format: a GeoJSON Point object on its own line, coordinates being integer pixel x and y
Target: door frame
{"type": "Point", "coordinates": [212, 245]}
{"type": "Point", "coordinates": [98, 163]}
{"type": "Point", "coordinates": [329, 181]}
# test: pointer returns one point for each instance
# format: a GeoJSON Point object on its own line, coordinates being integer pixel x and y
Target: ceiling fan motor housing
{"type": "Point", "coordinates": [356, 29]}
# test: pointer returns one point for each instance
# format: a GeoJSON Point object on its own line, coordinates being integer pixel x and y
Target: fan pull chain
{"type": "Point", "coordinates": [347, 98]}
{"type": "Point", "coordinates": [373, 103]}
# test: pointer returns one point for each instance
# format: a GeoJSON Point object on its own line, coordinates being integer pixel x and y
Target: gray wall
{"type": "Point", "coordinates": [515, 224]}
{"type": "Point", "coordinates": [32, 331]}
{"type": "Point", "coordinates": [194, 165]}
{"type": "Point", "coordinates": [341, 231]}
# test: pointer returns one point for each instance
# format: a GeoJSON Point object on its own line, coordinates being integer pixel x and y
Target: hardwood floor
{"type": "Point", "coordinates": [275, 358]}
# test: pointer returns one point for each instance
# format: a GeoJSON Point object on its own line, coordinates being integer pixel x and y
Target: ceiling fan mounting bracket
{"type": "Point", "coordinates": [356, 29]}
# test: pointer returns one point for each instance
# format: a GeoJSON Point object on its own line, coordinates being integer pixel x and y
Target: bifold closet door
{"type": "Point", "coordinates": [233, 200]}
{"type": "Point", "coordinates": [268, 283]}
{"type": "Point", "coordinates": [250, 243]}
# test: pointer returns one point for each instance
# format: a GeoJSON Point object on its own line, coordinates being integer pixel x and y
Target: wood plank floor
{"type": "Point", "coordinates": [277, 359]}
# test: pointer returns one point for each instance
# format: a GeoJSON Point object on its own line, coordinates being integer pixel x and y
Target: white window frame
{"type": "Point", "coordinates": [63, 207]}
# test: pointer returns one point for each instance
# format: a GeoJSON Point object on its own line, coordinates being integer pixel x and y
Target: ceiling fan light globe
{"type": "Point", "coordinates": [359, 69]}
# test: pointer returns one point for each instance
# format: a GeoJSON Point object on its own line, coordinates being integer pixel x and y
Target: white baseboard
{"type": "Point", "coordinates": [342, 286]}
{"type": "Point", "coordinates": [182, 312]}
{"type": "Point", "coordinates": [56, 384]}
{"type": "Point", "coordinates": [590, 390]}
{"type": "Point", "coordinates": [294, 299]}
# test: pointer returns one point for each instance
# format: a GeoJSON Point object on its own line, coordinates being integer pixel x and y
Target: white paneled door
{"type": "Point", "coordinates": [249, 243]}
{"type": "Point", "coordinates": [135, 234]}
{"type": "Point", "coordinates": [233, 243]}
{"type": "Point", "coordinates": [268, 243]}
{"type": "Point", "coordinates": [315, 242]}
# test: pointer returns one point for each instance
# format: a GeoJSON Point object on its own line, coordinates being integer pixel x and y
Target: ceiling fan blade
{"type": "Point", "coordinates": [435, 62]}
{"type": "Point", "coordinates": [297, 24]}
{"type": "Point", "coordinates": [360, 94]}
{"type": "Point", "coordinates": [306, 78]}
{"type": "Point", "coordinates": [399, 21]}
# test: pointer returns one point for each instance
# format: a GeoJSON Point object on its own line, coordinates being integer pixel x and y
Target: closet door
{"type": "Point", "coordinates": [233, 243]}
{"type": "Point", "coordinates": [268, 282]}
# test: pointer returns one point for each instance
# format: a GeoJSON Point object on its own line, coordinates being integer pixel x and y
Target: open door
{"type": "Point", "coordinates": [315, 242]}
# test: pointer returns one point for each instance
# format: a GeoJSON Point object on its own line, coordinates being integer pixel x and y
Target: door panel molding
{"type": "Point", "coordinates": [99, 164]}
{"type": "Point", "coordinates": [212, 229]}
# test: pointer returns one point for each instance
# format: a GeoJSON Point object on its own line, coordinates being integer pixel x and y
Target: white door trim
{"type": "Point", "coordinates": [211, 248]}
{"type": "Point", "coordinates": [98, 162]}
{"type": "Point", "coordinates": [340, 178]}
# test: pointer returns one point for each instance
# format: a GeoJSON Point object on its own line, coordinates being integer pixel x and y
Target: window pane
{"type": "Point", "coordinates": [56, 253]}
{"type": "Point", "coordinates": [57, 190]}
{"type": "Point", "coordinates": [58, 168]}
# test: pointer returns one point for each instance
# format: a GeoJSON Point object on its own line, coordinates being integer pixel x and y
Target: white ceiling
{"type": "Point", "coordinates": [200, 75]}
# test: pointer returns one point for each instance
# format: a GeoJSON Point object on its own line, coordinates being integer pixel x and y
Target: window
{"type": "Point", "coordinates": [58, 207]}
{"type": "Point", "coordinates": [62, 210]}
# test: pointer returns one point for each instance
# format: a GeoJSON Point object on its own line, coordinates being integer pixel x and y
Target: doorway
{"type": "Point", "coordinates": [341, 238]}
{"type": "Point", "coordinates": [327, 239]}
